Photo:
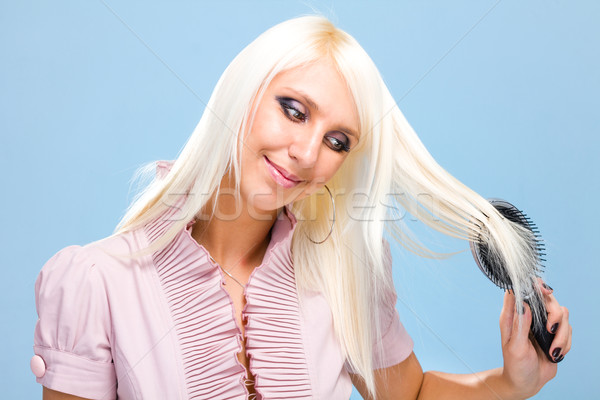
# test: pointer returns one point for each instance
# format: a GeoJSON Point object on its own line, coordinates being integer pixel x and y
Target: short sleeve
{"type": "Point", "coordinates": [396, 342]}
{"type": "Point", "coordinates": [73, 330]}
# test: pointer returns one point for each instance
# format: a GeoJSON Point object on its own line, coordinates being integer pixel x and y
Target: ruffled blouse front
{"type": "Point", "coordinates": [163, 327]}
{"type": "Point", "coordinates": [208, 334]}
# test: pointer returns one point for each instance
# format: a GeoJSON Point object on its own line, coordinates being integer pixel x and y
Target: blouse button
{"type": "Point", "coordinates": [38, 366]}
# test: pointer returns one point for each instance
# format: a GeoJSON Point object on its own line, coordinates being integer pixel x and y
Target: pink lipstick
{"type": "Point", "coordinates": [281, 176]}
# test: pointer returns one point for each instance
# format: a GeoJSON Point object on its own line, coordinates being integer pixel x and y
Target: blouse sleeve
{"type": "Point", "coordinates": [72, 334]}
{"type": "Point", "coordinates": [396, 343]}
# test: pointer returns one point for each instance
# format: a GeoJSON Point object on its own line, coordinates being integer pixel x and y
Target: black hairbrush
{"type": "Point", "coordinates": [496, 272]}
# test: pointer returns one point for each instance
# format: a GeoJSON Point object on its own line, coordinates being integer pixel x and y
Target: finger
{"type": "Point", "coordinates": [555, 313]}
{"type": "Point", "coordinates": [506, 317]}
{"type": "Point", "coordinates": [544, 287]}
{"type": "Point", "coordinates": [561, 338]}
{"type": "Point", "coordinates": [521, 326]}
{"type": "Point", "coordinates": [568, 346]}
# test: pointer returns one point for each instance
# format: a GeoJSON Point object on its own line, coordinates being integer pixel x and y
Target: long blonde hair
{"type": "Point", "coordinates": [390, 166]}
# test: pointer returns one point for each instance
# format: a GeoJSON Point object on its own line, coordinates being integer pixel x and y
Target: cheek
{"type": "Point", "coordinates": [328, 167]}
{"type": "Point", "coordinates": [268, 131]}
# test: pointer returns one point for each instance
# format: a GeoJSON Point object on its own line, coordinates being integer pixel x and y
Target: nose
{"type": "Point", "coordinates": [305, 150]}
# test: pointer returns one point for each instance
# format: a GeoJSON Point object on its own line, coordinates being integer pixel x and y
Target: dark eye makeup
{"type": "Point", "coordinates": [294, 111]}
{"type": "Point", "coordinates": [338, 145]}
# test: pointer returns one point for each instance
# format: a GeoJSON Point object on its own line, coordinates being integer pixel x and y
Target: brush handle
{"type": "Point", "coordinates": [541, 334]}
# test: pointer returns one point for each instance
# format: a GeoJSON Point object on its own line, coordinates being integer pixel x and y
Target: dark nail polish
{"type": "Point", "coordinates": [559, 359]}
{"type": "Point", "coordinates": [547, 287]}
{"type": "Point", "coordinates": [554, 328]}
{"type": "Point", "coordinates": [556, 353]}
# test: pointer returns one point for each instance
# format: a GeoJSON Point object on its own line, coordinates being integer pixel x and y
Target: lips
{"type": "Point", "coordinates": [281, 176]}
{"type": "Point", "coordinates": [283, 172]}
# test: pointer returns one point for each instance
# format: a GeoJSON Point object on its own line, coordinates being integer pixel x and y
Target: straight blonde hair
{"type": "Point", "coordinates": [390, 166]}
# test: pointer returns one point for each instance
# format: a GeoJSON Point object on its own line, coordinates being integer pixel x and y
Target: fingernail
{"type": "Point", "coordinates": [554, 328]}
{"type": "Point", "coordinates": [556, 353]}
{"type": "Point", "coordinates": [559, 359]}
{"type": "Point", "coordinates": [547, 287]}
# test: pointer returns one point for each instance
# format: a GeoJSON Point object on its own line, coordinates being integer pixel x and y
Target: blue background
{"type": "Point", "coordinates": [503, 93]}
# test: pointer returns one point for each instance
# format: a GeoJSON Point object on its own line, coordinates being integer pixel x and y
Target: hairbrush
{"type": "Point", "coordinates": [496, 271]}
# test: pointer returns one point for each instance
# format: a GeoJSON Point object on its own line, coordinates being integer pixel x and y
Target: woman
{"type": "Point", "coordinates": [255, 266]}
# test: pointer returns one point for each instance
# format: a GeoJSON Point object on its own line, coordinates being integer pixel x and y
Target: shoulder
{"type": "Point", "coordinates": [70, 266]}
{"type": "Point", "coordinates": [76, 262]}
{"type": "Point", "coordinates": [84, 274]}
{"type": "Point", "coordinates": [68, 283]}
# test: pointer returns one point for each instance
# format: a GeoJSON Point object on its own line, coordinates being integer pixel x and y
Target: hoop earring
{"type": "Point", "coordinates": [333, 223]}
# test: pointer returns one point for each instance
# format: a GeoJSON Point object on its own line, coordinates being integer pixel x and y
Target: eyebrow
{"type": "Point", "coordinates": [314, 105]}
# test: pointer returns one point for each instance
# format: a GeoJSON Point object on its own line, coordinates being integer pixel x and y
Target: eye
{"type": "Point", "coordinates": [338, 145]}
{"type": "Point", "coordinates": [292, 109]}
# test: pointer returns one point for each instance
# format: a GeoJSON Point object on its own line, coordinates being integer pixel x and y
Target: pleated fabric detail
{"type": "Point", "coordinates": [208, 335]}
{"type": "Point", "coordinates": [274, 341]}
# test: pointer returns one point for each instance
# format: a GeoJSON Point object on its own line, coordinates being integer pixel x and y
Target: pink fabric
{"type": "Point", "coordinates": [162, 327]}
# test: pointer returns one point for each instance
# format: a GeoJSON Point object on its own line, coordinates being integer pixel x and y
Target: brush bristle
{"type": "Point", "coordinates": [491, 266]}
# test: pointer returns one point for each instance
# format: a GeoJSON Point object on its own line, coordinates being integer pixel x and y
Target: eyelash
{"type": "Point", "coordinates": [301, 117]}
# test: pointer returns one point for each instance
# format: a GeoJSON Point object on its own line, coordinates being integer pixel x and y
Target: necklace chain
{"type": "Point", "coordinates": [228, 273]}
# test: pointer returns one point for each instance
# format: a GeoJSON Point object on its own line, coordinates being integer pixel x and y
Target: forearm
{"type": "Point", "coordinates": [478, 386]}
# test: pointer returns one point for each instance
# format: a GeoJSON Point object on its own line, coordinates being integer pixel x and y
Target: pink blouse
{"type": "Point", "coordinates": [162, 326]}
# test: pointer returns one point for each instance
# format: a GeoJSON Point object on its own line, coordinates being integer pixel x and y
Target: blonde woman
{"type": "Point", "coordinates": [254, 265]}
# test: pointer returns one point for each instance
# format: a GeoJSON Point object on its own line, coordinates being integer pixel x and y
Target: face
{"type": "Point", "coordinates": [304, 128]}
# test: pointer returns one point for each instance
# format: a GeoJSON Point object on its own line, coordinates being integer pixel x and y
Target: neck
{"type": "Point", "coordinates": [234, 241]}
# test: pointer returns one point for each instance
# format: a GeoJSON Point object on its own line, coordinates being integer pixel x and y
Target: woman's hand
{"type": "Point", "coordinates": [526, 368]}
